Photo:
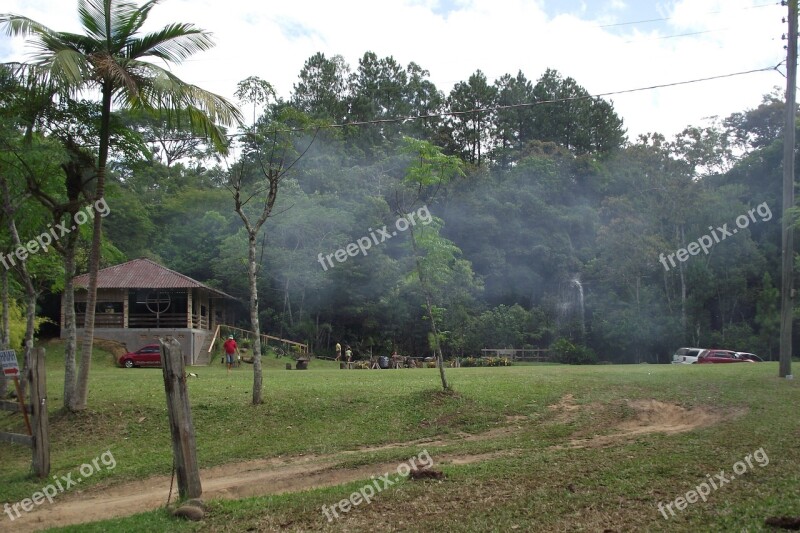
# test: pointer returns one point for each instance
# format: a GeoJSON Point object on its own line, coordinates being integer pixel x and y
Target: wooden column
{"type": "Point", "coordinates": [125, 309]}
{"type": "Point", "coordinates": [189, 308]}
{"type": "Point", "coordinates": [41, 436]}
{"type": "Point", "coordinates": [184, 448]}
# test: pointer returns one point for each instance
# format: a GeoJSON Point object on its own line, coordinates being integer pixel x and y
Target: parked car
{"type": "Point", "coordinates": [749, 356]}
{"type": "Point", "coordinates": [720, 356]}
{"type": "Point", "coordinates": [686, 356]}
{"type": "Point", "coordinates": [147, 355]}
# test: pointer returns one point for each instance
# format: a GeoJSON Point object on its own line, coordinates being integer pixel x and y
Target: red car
{"type": "Point", "coordinates": [720, 356]}
{"type": "Point", "coordinates": [148, 355]}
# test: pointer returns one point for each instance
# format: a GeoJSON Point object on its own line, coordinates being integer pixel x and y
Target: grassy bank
{"type": "Point", "coordinates": [541, 481]}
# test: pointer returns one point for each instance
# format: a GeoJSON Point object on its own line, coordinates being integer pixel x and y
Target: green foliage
{"type": "Point", "coordinates": [558, 195]}
{"type": "Point", "coordinates": [485, 361]}
{"type": "Point", "coordinates": [563, 351]}
{"type": "Point", "coordinates": [17, 324]}
{"type": "Point", "coordinates": [16, 320]}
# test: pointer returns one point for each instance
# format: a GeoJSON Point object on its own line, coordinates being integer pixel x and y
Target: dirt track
{"type": "Point", "coordinates": [292, 474]}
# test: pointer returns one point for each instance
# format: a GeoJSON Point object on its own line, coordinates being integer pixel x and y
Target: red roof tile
{"type": "Point", "coordinates": [142, 274]}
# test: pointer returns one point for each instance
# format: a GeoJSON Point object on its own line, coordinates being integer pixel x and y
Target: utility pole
{"type": "Point", "coordinates": [787, 259]}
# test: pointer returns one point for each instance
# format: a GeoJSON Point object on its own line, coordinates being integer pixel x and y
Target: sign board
{"type": "Point", "coordinates": [8, 362]}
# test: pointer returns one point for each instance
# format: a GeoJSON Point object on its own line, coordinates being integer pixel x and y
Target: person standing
{"type": "Point", "coordinates": [230, 348]}
{"type": "Point", "coordinates": [348, 354]}
{"type": "Point", "coordinates": [338, 352]}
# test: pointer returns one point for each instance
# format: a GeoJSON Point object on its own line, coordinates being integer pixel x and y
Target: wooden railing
{"type": "Point", "coordinates": [101, 320]}
{"type": "Point", "coordinates": [149, 320]}
{"type": "Point", "coordinates": [264, 338]}
{"type": "Point", "coordinates": [199, 322]}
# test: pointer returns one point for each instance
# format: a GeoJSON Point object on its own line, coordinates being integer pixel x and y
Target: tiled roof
{"type": "Point", "coordinates": [142, 274]}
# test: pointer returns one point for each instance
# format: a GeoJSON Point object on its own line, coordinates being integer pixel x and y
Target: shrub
{"type": "Point", "coordinates": [570, 354]}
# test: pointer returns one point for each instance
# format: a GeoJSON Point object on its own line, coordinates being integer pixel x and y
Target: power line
{"type": "Point", "coordinates": [391, 120]}
{"type": "Point", "coordinates": [442, 114]}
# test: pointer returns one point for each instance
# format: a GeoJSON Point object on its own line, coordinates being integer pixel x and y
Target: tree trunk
{"type": "Point", "coordinates": [429, 304]}
{"type": "Point", "coordinates": [5, 330]}
{"type": "Point", "coordinates": [254, 325]}
{"type": "Point", "coordinates": [82, 382]}
{"type": "Point", "coordinates": [30, 328]}
{"type": "Point", "coordinates": [437, 350]}
{"type": "Point", "coordinates": [70, 349]}
{"type": "Point", "coordinates": [82, 385]}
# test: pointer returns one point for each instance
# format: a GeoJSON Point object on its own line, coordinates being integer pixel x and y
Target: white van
{"type": "Point", "coordinates": [687, 356]}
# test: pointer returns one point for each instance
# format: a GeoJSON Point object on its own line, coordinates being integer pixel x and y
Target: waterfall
{"type": "Point", "coordinates": [577, 282]}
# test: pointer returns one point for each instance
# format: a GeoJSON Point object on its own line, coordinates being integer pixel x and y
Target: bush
{"type": "Point", "coordinates": [469, 361]}
{"type": "Point", "coordinates": [485, 361]}
{"type": "Point", "coordinates": [570, 354]}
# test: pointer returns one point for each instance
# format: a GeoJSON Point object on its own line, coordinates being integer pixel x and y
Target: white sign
{"type": "Point", "coordinates": [8, 361]}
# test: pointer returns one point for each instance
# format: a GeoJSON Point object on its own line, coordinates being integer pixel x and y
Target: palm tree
{"type": "Point", "coordinates": [111, 57]}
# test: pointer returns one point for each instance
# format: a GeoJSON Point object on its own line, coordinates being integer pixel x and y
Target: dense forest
{"type": "Point", "coordinates": [550, 227]}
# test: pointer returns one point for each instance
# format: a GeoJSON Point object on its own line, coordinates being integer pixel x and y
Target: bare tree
{"type": "Point", "coordinates": [268, 156]}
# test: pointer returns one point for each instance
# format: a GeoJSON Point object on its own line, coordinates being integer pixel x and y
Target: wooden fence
{"type": "Point", "coordinates": [37, 425]}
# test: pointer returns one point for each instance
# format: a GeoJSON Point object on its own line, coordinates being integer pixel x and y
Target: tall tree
{"type": "Point", "coordinates": [470, 104]}
{"type": "Point", "coordinates": [569, 116]}
{"type": "Point", "coordinates": [377, 92]}
{"type": "Point", "coordinates": [424, 99]}
{"type": "Point", "coordinates": [111, 56]}
{"type": "Point", "coordinates": [513, 123]}
{"type": "Point", "coordinates": [322, 91]}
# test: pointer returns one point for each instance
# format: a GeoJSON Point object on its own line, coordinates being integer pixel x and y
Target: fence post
{"type": "Point", "coordinates": [184, 448]}
{"type": "Point", "coordinates": [41, 435]}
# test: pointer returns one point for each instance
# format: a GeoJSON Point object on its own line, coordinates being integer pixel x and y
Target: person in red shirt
{"type": "Point", "coordinates": [230, 348]}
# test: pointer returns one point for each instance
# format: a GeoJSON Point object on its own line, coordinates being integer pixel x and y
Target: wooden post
{"type": "Point", "coordinates": [787, 224]}
{"type": "Point", "coordinates": [184, 448]}
{"type": "Point", "coordinates": [41, 437]}
{"type": "Point", "coordinates": [21, 398]}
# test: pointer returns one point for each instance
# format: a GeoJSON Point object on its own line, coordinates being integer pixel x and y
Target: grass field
{"type": "Point", "coordinates": [525, 448]}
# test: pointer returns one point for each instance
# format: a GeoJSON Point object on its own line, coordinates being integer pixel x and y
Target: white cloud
{"type": "Point", "coordinates": [453, 38]}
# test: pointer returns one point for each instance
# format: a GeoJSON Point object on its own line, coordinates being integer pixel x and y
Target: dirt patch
{"type": "Point", "coordinates": [231, 481]}
{"type": "Point", "coordinates": [647, 416]}
{"type": "Point", "coordinates": [566, 408]}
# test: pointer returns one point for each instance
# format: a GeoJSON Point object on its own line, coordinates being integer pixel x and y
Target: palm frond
{"type": "Point", "coordinates": [165, 90]}
{"type": "Point", "coordinates": [33, 77]}
{"type": "Point", "coordinates": [82, 43]}
{"type": "Point", "coordinates": [92, 14]}
{"type": "Point", "coordinates": [19, 26]}
{"type": "Point", "coordinates": [173, 43]}
{"type": "Point", "coordinates": [110, 53]}
{"type": "Point", "coordinates": [134, 22]}
{"type": "Point", "coordinates": [70, 67]}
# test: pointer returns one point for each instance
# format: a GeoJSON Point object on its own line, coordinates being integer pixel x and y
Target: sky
{"type": "Point", "coordinates": [606, 46]}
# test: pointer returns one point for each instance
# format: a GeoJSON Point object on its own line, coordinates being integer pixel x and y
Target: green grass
{"type": "Point", "coordinates": [538, 485]}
